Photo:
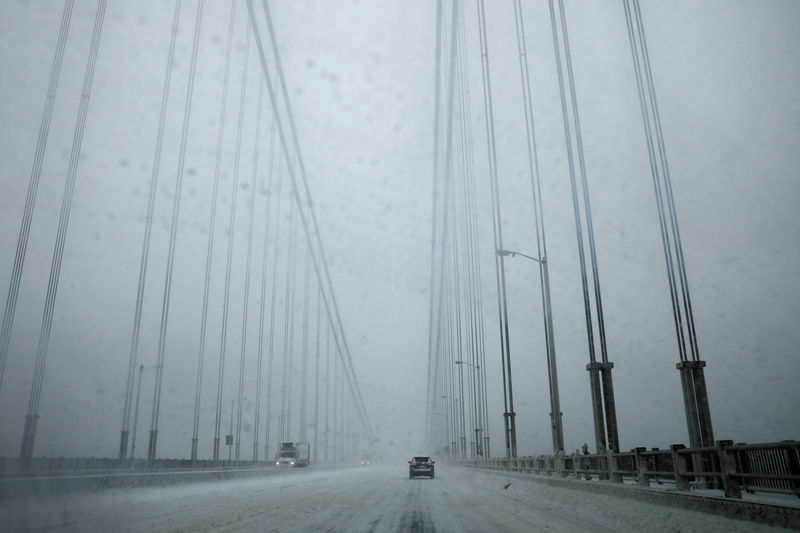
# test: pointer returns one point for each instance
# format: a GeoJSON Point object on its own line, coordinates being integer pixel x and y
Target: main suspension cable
{"type": "Point", "coordinates": [310, 223]}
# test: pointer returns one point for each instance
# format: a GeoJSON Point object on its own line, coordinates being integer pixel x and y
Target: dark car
{"type": "Point", "coordinates": [420, 466]}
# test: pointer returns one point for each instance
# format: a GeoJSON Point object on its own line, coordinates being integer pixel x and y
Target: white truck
{"type": "Point", "coordinates": [293, 454]}
{"type": "Point", "coordinates": [303, 454]}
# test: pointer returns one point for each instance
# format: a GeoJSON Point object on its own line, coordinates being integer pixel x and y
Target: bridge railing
{"type": "Point", "coordinates": [40, 466]}
{"type": "Point", "coordinates": [769, 467]}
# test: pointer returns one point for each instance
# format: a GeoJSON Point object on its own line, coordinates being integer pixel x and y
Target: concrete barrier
{"type": "Point", "coordinates": [773, 515]}
{"type": "Point", "coordinates": [49, 485]}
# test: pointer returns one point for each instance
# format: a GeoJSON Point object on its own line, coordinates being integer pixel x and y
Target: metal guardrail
{"type": "Point", "coordinates": [43, 483]}
{"type": "Point", "coordinates": [770, 467]}
{"type": "Point", "coordinates": [39, 466]}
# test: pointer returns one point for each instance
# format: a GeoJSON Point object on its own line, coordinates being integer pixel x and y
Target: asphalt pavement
{"type": "Point", "coordinates": [375, 498]}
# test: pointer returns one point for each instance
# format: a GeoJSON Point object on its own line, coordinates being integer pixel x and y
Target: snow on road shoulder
{"type": "Point", "coordinates": [561, 509]}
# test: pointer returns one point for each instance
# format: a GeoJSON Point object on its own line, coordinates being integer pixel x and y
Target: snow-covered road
{"type": "Point", "coordinates": [366, 499]}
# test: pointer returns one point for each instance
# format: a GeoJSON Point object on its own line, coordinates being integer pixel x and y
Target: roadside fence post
{"type": "Point", "coordinates": [611, 463]}
{"type": "Point", "coordinates": [641, 467]}
{"type": "Point", "coordinates": [680, 464]}
{"type": "Point", "coordinates": [727, 466]}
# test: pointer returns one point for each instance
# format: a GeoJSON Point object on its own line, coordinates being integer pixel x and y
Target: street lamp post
{"type": "Point", "coordinates": [552, 373]}
{"type": "Point", "coordinates": [463, 438]}
{"type": "Point", "coordinates": [136, 410]}
{"type": "Point", "coordinates": [475, 449]}
{"type": "Point", "coordinates": [437, 438]}
{"type": "Point", "coordinates": [506, 253]}
{"type": "Point", "coordinates": [229, 437]}
{"type": "Point", "coordinates": [451, 431]}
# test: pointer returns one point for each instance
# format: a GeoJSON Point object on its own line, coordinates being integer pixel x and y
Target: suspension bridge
{"type": "Point", "coordinates": [267, 163]}
{"type": "Point", "coordinates": [221, 317]}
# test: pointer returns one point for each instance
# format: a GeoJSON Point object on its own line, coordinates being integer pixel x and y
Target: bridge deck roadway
{"type": "Point", "coordinates": [373, 498]}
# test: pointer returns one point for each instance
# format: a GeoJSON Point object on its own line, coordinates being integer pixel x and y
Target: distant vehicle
{"type": "Point", "coordinates": [293, 454]}
{"type": "Point", "coordinates": [303, 454]}
{"type": "Point", "coordinates": [365, 460]}
{"type": "Point", "coordinates": [420, 466]}
{"type": "Point", "coordinates": [287, 454]}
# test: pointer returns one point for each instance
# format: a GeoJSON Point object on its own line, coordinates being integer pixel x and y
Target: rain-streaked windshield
{"type": "Point", "coordinates": [255, 253]}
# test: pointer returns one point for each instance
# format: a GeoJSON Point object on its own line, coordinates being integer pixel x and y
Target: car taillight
{"type": "Point", "coordinates": [413, 464]}
{"type": "Point", "coordinates": [430, 464]}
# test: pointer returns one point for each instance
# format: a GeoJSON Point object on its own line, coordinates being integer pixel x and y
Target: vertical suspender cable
{"type": "Point", "coordinates": [676, 311]}
{"type": "Point", "coordinates": [342, 415]}
{"type": "Point", "coordinates": [597, 408]}
{"type": "Point", "coordinates": [574, 187]}
{"type": "Point", "coordinates": [291, 334]}
{"type": "Point", "coordinates": [137, 314]}
{"type": "Point", "coordinates": [480, 355]}
{"type": "Point", "coordinates": [310, 228]}
{"type": "Point", "coordinates": [478, 301]}
{"type": "Point", "coordinates": [463, 269]}
{"type": "Point", "coordinates": [316, 380]}
{"type": "Point", "coordinates": [450, 357]}
{"type": "Point", "coordinates": [491, 155]}
{"type": "Point", "coordinates": [509, 415]}
{"type": "Point", "coordinates": [601, 385]}
{"type": "Point", "coordinates": [291, 246]}
{"type": "Point", "coordinates": [437, 286]}
{"type": "Point", "coordinates": [304, 353]}
{"type": "Point", "coordinates": [335, 415]}
{"type": "Point", "coordinates": [472, 256]}
{"type": "Point", "coordinates": [273, 298]}
{"type": "Point", "coordinates": [32, 416]}
{"type": "Point", "coordinates": [533, 161]}
{"type": "Point", "coordinates": [162, 337]}
{"type": "Point", "coordinates": [447, 184]}
{"type": "Point", "coordinates": [668, 190]}
{"type": "Point", "coordinates": [239, 132]}
{"type": "Point", "coordinates": [541, 241]}
{"type": "Point", "coordinates": [248, 265]}
{"type": "Point", "coordinates": [454, 268]}
{"type": "Point", "coordinates": [456, 296]}
{"type": "Point", "coordinates": [695, 393]}
{"type": "Point", "coordinates": [231, 235]}
{"type": "Point", "coordinates": [587, 205]}
{"type": "Point", "coordinates": [434, 200]}
{"type": "Point", "coordinates": [327, 388]}
{"type": "Point", "coordinates": [33, 187]}
{"type": "Point", "coordinates": [444, 358]}
{"type": "Point", "coordinates": [264, 263]}
{"type": "Point", "coordinates": [211, 227]}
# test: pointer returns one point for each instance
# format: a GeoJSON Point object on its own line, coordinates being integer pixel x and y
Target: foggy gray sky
{"type": "Point", "coordinates": [361, 77]}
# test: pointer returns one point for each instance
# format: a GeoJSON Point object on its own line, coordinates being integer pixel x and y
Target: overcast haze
{"type": "Point", "coordinates": [361, 82]}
